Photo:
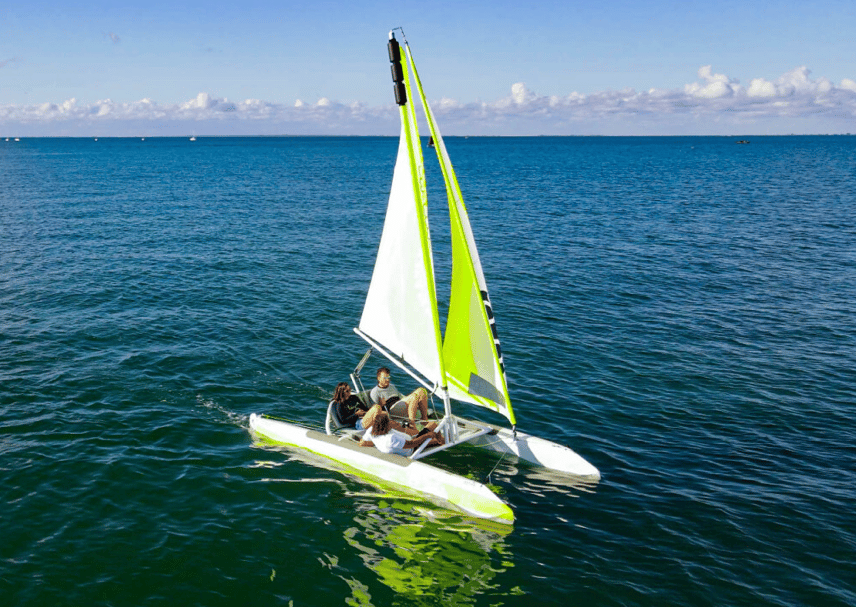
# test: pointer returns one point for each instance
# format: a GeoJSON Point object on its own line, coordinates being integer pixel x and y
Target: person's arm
{"type": "Point", "coordinates": [366, 440]}
{"type": "Point", "coordinates": [349, 419]}
{"type": "Point", "coordinates": [359, 408]}
{"type": "Point", "coordinates": [418, 440]}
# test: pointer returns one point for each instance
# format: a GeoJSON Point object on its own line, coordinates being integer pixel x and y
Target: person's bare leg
{"type": "Point", "coordinates": [417, 401]}
{"type": "Point", "coordinates": [369, 417]}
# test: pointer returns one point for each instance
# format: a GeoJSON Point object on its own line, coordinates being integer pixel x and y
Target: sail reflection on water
{"type": "Point", "coordinates": [426, 557]}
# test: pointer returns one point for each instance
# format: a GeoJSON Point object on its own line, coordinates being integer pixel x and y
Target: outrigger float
{"type": "Point", "coordinates": [401, 321]}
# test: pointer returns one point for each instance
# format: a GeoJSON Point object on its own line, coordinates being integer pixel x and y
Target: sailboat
{"type": "Point", "coordinates": [401, 322]}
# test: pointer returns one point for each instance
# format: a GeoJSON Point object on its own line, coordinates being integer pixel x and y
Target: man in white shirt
{"type": "Point", "coordinates": [388, 440]}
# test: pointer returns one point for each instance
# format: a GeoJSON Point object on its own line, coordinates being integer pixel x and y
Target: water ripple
{"type": "Point", "coordinates": [677, 310]}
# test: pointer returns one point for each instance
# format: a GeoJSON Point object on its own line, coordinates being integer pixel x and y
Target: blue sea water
{"type": "Point", "coordinates": [680, 311]}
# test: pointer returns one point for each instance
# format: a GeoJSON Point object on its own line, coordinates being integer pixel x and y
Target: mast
{"type": "Point", "coordinates": [417, 171]}
{"type": "Point", "coordinates": [407, 110]}
{"type": "Point", "coordinates": [400, 316]}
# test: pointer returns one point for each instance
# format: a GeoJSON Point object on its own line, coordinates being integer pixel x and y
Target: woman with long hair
{"type": "Point", "coordinates": [349, 407]}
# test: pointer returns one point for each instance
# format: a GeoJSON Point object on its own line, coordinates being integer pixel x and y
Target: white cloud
{"type": "Point", "coordinates": [521, 95]}
{"type": "Point", "coordinates": [715, 86]}
{"type": "Point", "coordinates": [447, 104]}
{"type": "Point", "coordinates": [202, 101]}
{"type": "Point", "coordinates": [715, 103]}
{"type": "Point", "coordinates": [796, 82]}
{"type": "Point", "coordinates": [758, 87]}
{"type": "Point", "coordinates": [104, 107]}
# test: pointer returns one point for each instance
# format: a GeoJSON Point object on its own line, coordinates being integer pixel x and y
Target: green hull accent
{"type": "Point", "coordinates": [436, 485]}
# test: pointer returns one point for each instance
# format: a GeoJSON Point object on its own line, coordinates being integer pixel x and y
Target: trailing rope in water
{"type": "Point", "coordinates": [295, 422]}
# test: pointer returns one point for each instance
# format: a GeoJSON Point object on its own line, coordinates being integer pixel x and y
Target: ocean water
{"type": "Point", "coordinates": [680, 311]}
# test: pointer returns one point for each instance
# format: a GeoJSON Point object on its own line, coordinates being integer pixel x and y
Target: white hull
{"type": "Point", "coordinates": [536, 451]}
{"type": "Point", "coordinates": [433, 483]}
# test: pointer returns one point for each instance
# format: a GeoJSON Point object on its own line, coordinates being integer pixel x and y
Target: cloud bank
{"type": "Point", "coordinates": [714, 104]}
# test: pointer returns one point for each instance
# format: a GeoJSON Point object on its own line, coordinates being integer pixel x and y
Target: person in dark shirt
{"type": "Point", "coordinates": [350, 409]}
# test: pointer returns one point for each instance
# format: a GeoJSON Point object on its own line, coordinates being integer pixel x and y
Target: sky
{"type": "Point", "coordinates": [612, 67]}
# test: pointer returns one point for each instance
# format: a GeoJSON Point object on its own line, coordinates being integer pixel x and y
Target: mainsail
{"type": "Point", "coordinates": [400, 313]}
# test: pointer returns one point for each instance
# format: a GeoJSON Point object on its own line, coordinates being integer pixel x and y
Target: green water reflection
{"type": "Point", "coordinates": [426, 557]}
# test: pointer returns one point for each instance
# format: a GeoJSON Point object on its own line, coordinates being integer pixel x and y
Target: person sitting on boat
{"type": "Point", "coordinates": [388, 440]}
{"type": "Point", "coordinates": [353, 412]}
{"type": "Point", "coordinates": [349, 407]}
{"type": "Point", "coordinates": [387, 395]}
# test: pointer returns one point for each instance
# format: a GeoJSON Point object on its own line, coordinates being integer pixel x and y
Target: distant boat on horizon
{"type": "Point", "coordinates": [193, 138]}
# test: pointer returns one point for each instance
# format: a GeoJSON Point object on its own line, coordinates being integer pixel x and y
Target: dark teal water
{"type": "Point", "coordinates": [681, 311]}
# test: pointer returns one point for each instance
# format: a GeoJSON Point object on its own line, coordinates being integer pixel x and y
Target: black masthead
{"type": "Point", "coordinates": [397, 70]}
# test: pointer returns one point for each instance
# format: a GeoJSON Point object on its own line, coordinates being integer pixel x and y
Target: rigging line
{"type": "Point", "coordinates": [433, 408]}
{"type": "Point", "coordinates": [501, 457]}
{"type": "Point", "coordinates": [400, 29]}
{"type": "Point", "coordinates": [489, 443]}
{"type": "Point", "coordinates": [302, 424]}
